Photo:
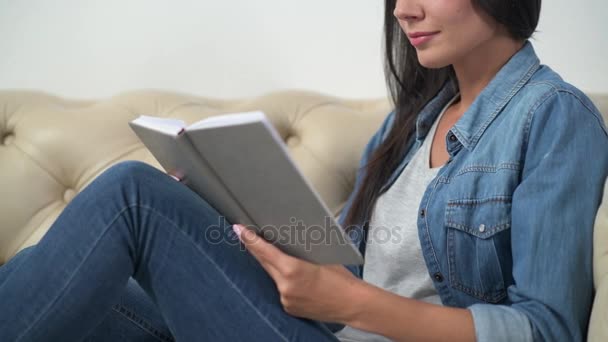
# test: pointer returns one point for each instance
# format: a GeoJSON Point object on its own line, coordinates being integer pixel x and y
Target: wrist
{"type": "Point", "coordinates": [356, 298]}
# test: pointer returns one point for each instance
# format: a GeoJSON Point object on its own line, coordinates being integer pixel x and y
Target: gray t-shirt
{"type": "Point", "coordinates": [393, 256]}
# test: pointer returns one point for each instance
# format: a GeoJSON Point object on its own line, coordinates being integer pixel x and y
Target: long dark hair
{"type": "Point", "coordinates": [411, 86]}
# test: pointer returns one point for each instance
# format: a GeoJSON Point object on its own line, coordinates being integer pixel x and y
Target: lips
{"type": "Point", "coordinates": [419, 38]}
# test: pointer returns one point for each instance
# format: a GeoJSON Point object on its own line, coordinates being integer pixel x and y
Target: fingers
{"type": "Point", "coordinates": [262, 250]}
{"type": "Point", "coordinates": [265, 252]}
{"type": "Point", "coordinates": [256, 244]}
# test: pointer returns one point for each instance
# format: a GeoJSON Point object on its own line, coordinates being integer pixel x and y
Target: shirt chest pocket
{"type": "Point", "coordinates": [478, 246]}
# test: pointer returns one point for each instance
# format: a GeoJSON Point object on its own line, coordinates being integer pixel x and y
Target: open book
{"type": "Point", "coordinates": [239, 164]}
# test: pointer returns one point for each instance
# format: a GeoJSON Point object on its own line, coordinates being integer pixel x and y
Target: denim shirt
{"type": "Point", "coordinates": [506, 227]}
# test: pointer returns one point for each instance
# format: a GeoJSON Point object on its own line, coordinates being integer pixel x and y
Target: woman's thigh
{"type": "Point", "coordinates": [180, 250]}
{"type": "Point", "coordinates": [135, 318]}
{"type": "Point", "coordinates": [13, 263]}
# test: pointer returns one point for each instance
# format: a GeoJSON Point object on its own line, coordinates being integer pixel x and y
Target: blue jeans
{"type": "Point", "coordinates": [137, 256]}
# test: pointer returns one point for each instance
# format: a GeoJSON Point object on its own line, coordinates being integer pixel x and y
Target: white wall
{"type": "Point", "coordinates": [573, 40]}
{"type": "Point", "coordinates": [89, 48]}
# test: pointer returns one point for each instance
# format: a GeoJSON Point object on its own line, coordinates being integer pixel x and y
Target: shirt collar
{"type": "Point", "coordinates": [488, 104]}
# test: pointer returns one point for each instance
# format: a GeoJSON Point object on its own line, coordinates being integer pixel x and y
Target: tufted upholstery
{"type": "Point", "coordinates": [51, 148]}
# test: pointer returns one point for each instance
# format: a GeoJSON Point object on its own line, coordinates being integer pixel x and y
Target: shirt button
{"type": "Point", "coordinates": [422, 213]}
{"type": "Point", "coordinates": [438, 277]}
{"type": "Point", "coordinates": [482, 228]}
{"type": "Point", "coordinates": [452, 137]}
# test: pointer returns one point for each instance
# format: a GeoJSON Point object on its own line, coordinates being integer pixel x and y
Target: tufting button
{"type": "Point", "coordinates": [8, 139]}
{"type": "Point", "coordinates": [292, 141]}
{"type": "Point", "coordinates": [69, 195]}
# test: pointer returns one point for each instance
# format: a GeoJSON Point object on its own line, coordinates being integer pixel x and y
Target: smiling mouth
{"type": "Point", "coordinates": [419, 38]}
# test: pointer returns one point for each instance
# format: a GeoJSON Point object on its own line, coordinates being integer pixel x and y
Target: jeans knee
{"type": "Point", "coordinates": [131, 167]}
{"type": "Point", "coordinates": [130, 171]}
{"type": "Point", "coordinates": [126, 181]}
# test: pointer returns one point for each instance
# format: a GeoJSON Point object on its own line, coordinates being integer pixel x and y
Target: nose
{"type": "Point", "coordinates": [408, 10]}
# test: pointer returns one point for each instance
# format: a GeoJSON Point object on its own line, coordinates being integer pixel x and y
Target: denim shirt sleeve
{"type": "Point", "coordinates": [553, 211]}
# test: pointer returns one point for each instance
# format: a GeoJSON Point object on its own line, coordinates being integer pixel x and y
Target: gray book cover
{"type": "Point", "coordinates": [240, 165]}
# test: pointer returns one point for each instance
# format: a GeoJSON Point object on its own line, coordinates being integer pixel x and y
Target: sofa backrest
{"type": "Point", "coordinates": [51, 148]}
{"type": "Point", "coordinates": [598, 326]}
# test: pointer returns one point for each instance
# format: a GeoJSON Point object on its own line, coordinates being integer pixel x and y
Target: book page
{"type": "Point", "coordinates": [165, 125]}
{"type": "Point", "coordinates": [227, 120]}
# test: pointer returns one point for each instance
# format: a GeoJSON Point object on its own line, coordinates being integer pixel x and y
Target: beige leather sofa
{"type": "Point", "coordinates": [51, 148]}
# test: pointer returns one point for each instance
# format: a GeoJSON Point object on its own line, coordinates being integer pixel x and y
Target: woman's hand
{"type": "Point", "coordinates": [319, 292]}
{"type": "Point", "coordinates": [330, 293]}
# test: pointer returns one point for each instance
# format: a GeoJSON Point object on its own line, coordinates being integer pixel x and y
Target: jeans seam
{"type": "Point", "coordinates": [62, 291]}
{"type": "Point", "coordinates": [141, 323]}
{"type": "Point", "coordinates": [234, 287]}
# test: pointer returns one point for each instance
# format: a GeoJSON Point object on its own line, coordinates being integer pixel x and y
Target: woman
{"type": "Point", "coordinates": [480, 177]}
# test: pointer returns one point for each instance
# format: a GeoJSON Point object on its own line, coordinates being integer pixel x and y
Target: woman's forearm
{"type": "Point", "coordinates": [403, 319]}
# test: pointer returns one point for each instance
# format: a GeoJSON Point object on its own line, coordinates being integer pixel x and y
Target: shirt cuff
{"type": "Point", "coordinates": [499, 323]}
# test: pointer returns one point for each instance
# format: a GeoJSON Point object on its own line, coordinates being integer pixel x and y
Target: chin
{"type": "Point", "coordinates": [431, 60]}
{"type": "Point", "coordinates": [432, 63]}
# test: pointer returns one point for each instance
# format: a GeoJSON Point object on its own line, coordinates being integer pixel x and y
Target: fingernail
{"type": "Point", "coordinates": [238, 229]}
